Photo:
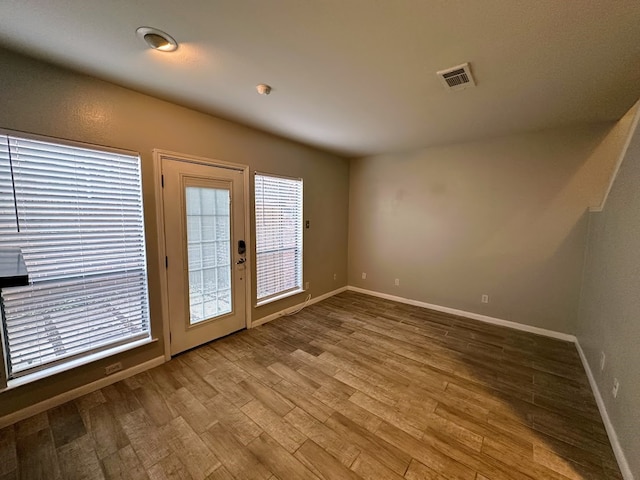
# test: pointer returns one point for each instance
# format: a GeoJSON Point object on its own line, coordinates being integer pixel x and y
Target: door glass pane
{"type": "Point", "coordinates": [209, 251]}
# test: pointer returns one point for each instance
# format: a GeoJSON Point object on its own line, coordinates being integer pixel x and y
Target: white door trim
{"type": "Point", "coordinates": [158, 155]}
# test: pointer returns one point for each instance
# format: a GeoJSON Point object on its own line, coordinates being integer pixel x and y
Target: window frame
{"type": "Point", "coordinates": [299, 288]}
{"type": "Point", "coordinates": [83, 358]}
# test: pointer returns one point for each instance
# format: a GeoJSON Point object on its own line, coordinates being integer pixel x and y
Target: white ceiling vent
{"type": "Point", "coordinates": [457, 78]}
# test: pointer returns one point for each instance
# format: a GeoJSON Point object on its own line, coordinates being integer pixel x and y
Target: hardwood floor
{"type": "Point", "coordinates": [353, 387]}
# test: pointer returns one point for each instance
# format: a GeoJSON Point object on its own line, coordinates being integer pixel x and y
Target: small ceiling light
{"type": "Point", "coordinates": [157, 39]}
{"type": "Point", "coordinates": [263, 89]}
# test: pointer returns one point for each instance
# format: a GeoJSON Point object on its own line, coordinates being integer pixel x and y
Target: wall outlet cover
{"type": "Point", "coordinates": [113, 368]}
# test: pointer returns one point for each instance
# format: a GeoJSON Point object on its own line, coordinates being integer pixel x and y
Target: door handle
{"type": "Point", "coordinates": [241, 261]}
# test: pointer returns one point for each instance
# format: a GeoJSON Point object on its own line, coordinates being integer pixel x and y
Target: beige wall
{"type": "Point", "coordinates": [41, 99]}
{"type": "Point", "coordinates": [503, 217]}
{"type": "Point", "coordinates": [609, 315]}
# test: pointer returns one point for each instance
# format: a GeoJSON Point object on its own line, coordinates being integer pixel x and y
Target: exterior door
{"type": "Point", "coordinates": [206, 252]}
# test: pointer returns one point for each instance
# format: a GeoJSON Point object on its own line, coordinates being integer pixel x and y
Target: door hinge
{"type": "Point", "coordinates": [166, 262]}
{"type": "Point", "coordinates": [169, 337]}
{"type": "Point", "coordinates": [162, 180]}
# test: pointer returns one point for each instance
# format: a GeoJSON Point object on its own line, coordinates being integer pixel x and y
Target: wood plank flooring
{"type": "Point", "coordinates": [353, 387]}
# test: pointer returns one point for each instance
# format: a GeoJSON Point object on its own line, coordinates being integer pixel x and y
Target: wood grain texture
{"type": "Point", "coordinates": [78, 459]}
{"type": "Point", "coordinates": [238, 460]}
{"type": "Point", "coordinates": [8, 456]}
{"type": "Point", "coordinates": [351, 387]}
{"type": "Point", "coordinates": [124, 465]}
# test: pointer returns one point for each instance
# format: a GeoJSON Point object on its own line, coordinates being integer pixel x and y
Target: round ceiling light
{"type": "Point", "coordinates": [157, 39]}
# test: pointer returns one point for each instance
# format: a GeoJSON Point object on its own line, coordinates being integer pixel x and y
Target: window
{"type": "Point", "coordinates": [76, 214]}
{"type": "Point", "coordinates": [278, 236]}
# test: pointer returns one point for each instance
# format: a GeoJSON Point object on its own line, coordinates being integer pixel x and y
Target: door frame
{"type": "Point", "coordinates": [158, 155]}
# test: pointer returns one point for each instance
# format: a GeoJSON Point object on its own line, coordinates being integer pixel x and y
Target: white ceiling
{"type": "Point", "coordinates": [355, 76]}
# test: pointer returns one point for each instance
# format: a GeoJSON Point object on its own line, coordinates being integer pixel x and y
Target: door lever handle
{"type": "Point", "coordinates": [241, 261]}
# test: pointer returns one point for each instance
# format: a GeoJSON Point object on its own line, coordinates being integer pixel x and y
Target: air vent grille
{"type": "Point", "coordinates": [457, 78]}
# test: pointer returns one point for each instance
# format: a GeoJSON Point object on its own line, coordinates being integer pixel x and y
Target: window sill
{"type": "Point", "coordinates": [280, 297]}
{"type": "Point", "coordinates": [77, 362]}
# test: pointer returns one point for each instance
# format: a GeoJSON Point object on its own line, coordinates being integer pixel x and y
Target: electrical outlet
{"type": "Point", "coordinates": [306, 285]}
{"type": "Point", "coordinates": [397, 282]}
{"type": "Point", "coordinates": [335, 276]}
{"type": "Point", "coordinates": [485, 298]}
{"type": "Point", "coordinates": [602, 360]}
{"type": "Point", "coordinates": [364, 276]}
{"type": "Point", "coordinates": [113, 368]}
{"type": "Point", "coordinates": [616, 387]}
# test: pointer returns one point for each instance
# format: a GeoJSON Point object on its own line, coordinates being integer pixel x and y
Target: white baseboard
{"type": "Point", "coordinates": [475, 316]}
{"type": "Point", "coordinates": [77, 392]}
{"type": "Point", "coordinates": [613, 437]}
{"type": "Point", "coordinates": [286, 311]}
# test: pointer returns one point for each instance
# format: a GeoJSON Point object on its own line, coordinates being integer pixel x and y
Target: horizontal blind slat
{"type": "Point", "coordinates": [71, 326]}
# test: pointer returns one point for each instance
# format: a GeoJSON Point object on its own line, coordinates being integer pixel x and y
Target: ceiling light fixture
{"type": "Point", "coordinates": [263, 89]}
{"type": "Point", "coordinates": [157, 39]}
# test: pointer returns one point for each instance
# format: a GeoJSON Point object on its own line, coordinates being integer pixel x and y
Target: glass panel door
{"type": "Point", "coordinates": [204, 221]}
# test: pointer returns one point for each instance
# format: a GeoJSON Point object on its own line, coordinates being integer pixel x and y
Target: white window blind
{"type": "Point", "coordinates": [278, 235]}
{"type": "Point", "coordinates": [77, 215]}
